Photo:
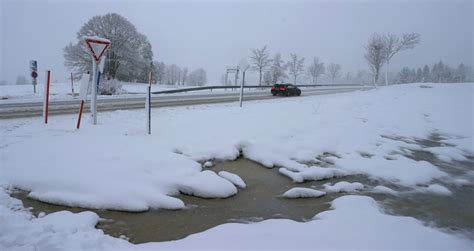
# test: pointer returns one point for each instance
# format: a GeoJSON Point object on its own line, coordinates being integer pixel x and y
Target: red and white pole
{"type": "Point", "coordinates": [46, 97]}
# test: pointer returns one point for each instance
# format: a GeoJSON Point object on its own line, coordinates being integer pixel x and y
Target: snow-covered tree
{"type": "Point", "coordinates": [375, 55]}
{"type": "Point", "coordinates": [260, 61]}
{"type": "Point", "coordinates": [426, 74]}
{"type": "Point", "coordinates": [276, 73]}
{"type": "Point", "coordinates": [21, 80]}
{"type": "Point", "coordinates": [173, 73]}
{"type": "Point", "coordinates": [198, 77]}
{"type": "Point", "coordinates": [393, 44]}
{"type": "Point", "coordinates": [462, 73]}
{"type": "Point", "coordinates": [129, 56]}
{"type": "Point", "coordinates": [315, 70]}
{"type": "Point", "coordinates": [334, 71]}
{"type": "Point", "coordinates": [159, 72]}
{"type": "Point", "coordinates": [295, 66]}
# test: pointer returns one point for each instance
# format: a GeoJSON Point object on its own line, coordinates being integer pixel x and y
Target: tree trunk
{"type": "Point", "coordinates": [386, 73]}
{"type": "Point", "coordinates": [260, 80]}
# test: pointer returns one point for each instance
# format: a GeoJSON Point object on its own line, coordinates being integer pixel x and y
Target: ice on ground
{"type": "Point", "coordinates": [207, 184]}
{"type": "Point", "coordinates": [437, 189]}
{"type": "Point", "coordinates": [234, 178]}
{"type": "Point", "coordinates": [384, 190]}
{"type": "Point", "coordinates": [302, 192]}
{"type": "Point", "coordinates": [356, 222]}
{"type": "Point", "coordinates": [343, 186]}
{"type": "Point", "coordinates": [313, 173]}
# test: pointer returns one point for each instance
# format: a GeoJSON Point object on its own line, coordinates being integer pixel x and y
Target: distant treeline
{"type": "Point", "coordinates": [437, 73]}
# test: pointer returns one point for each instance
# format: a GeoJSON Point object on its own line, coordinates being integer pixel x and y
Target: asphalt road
{"type": "Point", "coordinates": [28, 109]}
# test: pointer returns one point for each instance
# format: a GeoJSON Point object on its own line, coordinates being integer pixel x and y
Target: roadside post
{"type": "Point", "coordinates": [34, 73]}
{"type": "Point", "coordinates": [84, 89]}
{"type": "Point", "coordinates": [97, 46]}
{"type": "Point", "coordinates": [244, 66]}
{"type": "Point", "coordinates": [148, 105]}
{"type": "Point", "coordinates": [46, 97]}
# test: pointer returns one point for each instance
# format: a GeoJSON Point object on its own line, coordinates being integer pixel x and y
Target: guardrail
{"type": "Point", "coordinates": [238, 86]}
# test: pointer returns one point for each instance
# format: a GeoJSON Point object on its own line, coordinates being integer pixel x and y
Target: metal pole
{"type": "Point", "coordinates": [95, 70]}
{"type": "Point", "coordinates": [72, 85]}
{"type": "Point", "coordinates": [242, 88]}
{"type": "Point", "coordinates": [149, 104]}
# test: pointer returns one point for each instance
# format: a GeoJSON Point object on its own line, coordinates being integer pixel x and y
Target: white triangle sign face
{"type": "Point", "coordinates": [97, 48]}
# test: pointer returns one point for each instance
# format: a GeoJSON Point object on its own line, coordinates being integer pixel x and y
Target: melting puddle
{"type": "Point", "coordinates": [261, 200]}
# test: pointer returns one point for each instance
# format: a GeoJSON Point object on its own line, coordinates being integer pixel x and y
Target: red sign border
{"type": "Point", "coordinates": [89, 41]}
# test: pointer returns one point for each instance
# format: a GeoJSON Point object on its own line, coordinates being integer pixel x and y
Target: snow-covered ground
{"type": "Point", "coordinates": [63, 90]}
{"type": "Point", "coordinates": [116, 165]}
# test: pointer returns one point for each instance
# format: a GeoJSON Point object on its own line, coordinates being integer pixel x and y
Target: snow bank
{"type": "Point", "coordinates": [355, 223]}
{"type": "Point", "coordinates": [20, 230]}
{"type": "Point", "coordinates": [343, 186]}
{"type": "Point", "coordinates": [234, 178]}
{"type": "Point", "coordinates": [302, 192]}
{"type": "Point", "coordinates": [207, 184]}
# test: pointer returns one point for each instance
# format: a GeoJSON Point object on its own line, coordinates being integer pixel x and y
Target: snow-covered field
{"type": "Point", "coordinates": [116, 165]}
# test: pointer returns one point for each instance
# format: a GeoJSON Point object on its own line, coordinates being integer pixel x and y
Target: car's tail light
{"type": "Point", "coordinates": [273, 88]}
{"type": "Point", "coordinates": [282, 89]}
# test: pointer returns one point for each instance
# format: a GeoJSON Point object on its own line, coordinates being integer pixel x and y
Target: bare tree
{"type": "Point", "coordinates": [375, 56]}
{"type": "Point", "coordinates": [316, 69]}
{"type": "Point", "coordinates": [260, 61]}
{"type": "Point", "coordinates": [295, 66]}
{"type": "Point", "coordinates": [393, 44]}
{"type": "Point", "coordinates": [334, 71]}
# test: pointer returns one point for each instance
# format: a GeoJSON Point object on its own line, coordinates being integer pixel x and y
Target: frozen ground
{"type": "Point", "coordinates": [115, 165]}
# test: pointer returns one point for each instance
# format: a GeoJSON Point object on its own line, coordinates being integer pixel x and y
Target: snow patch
{"type": "Point", "coordinates": [343, 186]}
{"type": "Point", "coordinates": [437, 189]}
{"type": "Point", "coordinates": [207, 184]}
{"type": "Point", "coordinates": [234, 178]}
{"type": "Point", "coordinates": [384, 190]}
{"type": "Point", "coordinates": [313, 173]}
{"type": "Point", "coordinates": [301, 192]}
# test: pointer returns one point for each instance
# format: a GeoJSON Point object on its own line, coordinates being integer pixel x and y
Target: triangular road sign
{"type": "Point", "coordinates": [97, 46]}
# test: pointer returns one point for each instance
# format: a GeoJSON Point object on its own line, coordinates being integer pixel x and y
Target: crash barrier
{"type": "Point", "coordinates": [238, 86]}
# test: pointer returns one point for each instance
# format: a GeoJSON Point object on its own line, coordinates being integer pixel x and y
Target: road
{"type": "Point", "coordinates": [28, 109]}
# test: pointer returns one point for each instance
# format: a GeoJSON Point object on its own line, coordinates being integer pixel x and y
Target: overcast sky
{"type": "Point", "coordinates": [212, 34]}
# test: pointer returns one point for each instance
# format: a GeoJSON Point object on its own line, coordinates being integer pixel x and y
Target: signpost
{"type": "Point", "coordinates": [34, 73]}
{"type": "Point", "coordinates": [97, 46]}
{"type": "Point", "coordinates": [244, 66]}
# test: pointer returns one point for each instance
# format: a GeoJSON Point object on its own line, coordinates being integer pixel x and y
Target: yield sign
{"type": "Point", "coordinates": [97, 46]}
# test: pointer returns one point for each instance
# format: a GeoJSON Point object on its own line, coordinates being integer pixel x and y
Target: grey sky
{"type": "Point", "coordinates": [213, 34]}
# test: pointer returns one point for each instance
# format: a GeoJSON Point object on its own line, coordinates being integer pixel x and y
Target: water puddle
{"type": "Point", "coordinates": [261, 200]}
